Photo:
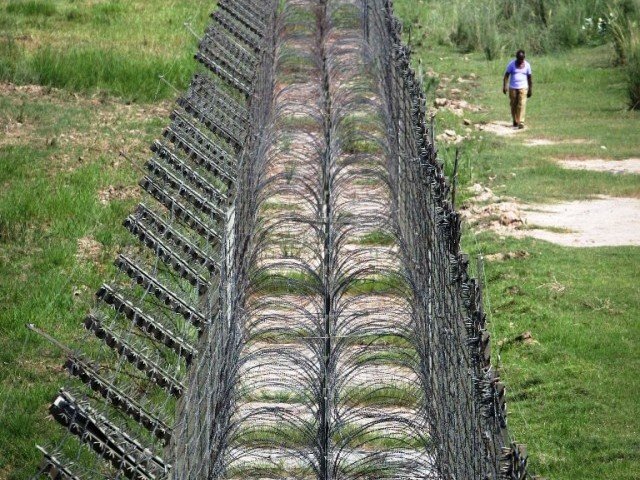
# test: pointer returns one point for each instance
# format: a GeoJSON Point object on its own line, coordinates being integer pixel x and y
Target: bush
{"type": "Point", "coordinates": [9, 55]}
{"type": "Point", "coordinates": [491, 42]}
{"type": "Point", "coordinates": [476, 28]}
{"type": "Point", "coordinates": [633, 72]}
{"type": "Point", "coordinates": [466, 35]}
{"type": "Point", "coordinates": [565, 26]}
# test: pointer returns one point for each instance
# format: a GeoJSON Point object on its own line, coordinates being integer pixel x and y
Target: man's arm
{"type": "Point", "coordinates": [505, 83]}
{"type": "Point", "coordinates": [530, 82]}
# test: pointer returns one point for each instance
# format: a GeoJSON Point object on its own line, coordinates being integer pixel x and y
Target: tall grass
{"type": "Point", "coordinates": [495, 27]}
{"type": "Point", "coordinates": [32, 7]}
{"type": "Point", "coordinates": [535, 25]}
{"type": "Point", "coordinates": [113, 46]}
{"type": "Point", "coordinates": [621, 24]}
{"type": "Point", "coordinates": [133, 76]}
{"type": "Point", "coordinates": [499, 27]}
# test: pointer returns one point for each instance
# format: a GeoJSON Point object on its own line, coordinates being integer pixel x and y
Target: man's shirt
{"type": "Point", "coordinates": [518, 76]}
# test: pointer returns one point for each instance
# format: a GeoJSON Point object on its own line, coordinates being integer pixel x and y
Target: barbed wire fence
{"type": "Point", "coordinates": [467, 410]}
{"type": "Point", "coordinates": [219, 357]}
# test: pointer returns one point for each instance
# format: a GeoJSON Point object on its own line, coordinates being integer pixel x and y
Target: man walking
{"type": "Point", "coordinates": [518, 78]}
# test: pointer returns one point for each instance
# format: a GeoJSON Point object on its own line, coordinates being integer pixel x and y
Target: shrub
{"type": "Point", "coordinates": [9, 55]}
{"type": "Point", "coordinates": [476, 28]}
{"type": "Point", "coordinates": [491, 42]}
{"type": "Point", "coordinates": [619, 24]}
{"type": "Point", "coordinates": [466, 35]}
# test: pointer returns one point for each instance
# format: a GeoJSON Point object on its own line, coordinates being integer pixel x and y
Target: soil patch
{"type": "Point", "coordinates": [630, 165]}
{"type": "Point", "coordinates": [604, 221]}
{"type": "Point", "coordinates": [89, 249]}
{"type": "Point", "coordinates": [117, 192]}
{"type": "Point", "coordinates": [544, 142]}
{"type": "Point", "coordinates": [502, 129]}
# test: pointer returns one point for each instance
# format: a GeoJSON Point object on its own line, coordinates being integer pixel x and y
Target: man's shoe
{"type": "Point", "coordinates": [515, 124]}
{"type": "Point", "coordinates": [521, 126]}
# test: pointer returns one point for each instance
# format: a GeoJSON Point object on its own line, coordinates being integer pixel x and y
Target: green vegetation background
{"type": "Point", "coordinates": [571, 393]}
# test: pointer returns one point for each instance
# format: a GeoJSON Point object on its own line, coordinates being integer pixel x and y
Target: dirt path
{"type": "Point", "coordinates": [627, 166]}
{"type": "Point", "coordinates": [603, 221]}
{"type": "Point", "coordinates": [598, 222]}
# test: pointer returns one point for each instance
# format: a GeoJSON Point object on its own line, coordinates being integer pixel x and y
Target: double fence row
{"type": "Point", "coordinates": [162, 392]}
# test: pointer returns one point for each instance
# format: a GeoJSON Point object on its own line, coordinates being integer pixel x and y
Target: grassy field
{"type": "Point", "coordinates": [572, 388]}
{"type": "Point", "coordinates": [65, 190]}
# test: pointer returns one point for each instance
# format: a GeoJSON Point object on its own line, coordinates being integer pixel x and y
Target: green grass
{"type": "Point", "coordinates": [377, 237]}
{"type": "Point", "coordinates": [578, 95]}
{"type": "Point", "coordinates": [494, 27]}
{"type": "Point", "coordinates": [571, 396]}
{"type": "Point", "coordinates": [118, 47]}
{"type": "Point", "coordinates": [49, 200]}
{"type": "Point", "coordinates": [351, 435]}
{"type": "Point", "coordinates": [301, 283]}
{"type": "Point", "coordinates": [571, 393]}
{"type": "Point", "coordinates": [633, 74]}
{"type": "Point", "coordinates": [33, 7]}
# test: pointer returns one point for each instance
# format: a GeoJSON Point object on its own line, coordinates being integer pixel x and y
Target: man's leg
{"type": "Point", "coordinates": [513, 101]}
{"type": "Point", "coordinates": [522, 103]}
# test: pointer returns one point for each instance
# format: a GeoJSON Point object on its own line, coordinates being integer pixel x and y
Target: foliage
{"type": "Point", "coordinates": [498, 27]}
{"type": "Point", "coordinates": [633, 76]}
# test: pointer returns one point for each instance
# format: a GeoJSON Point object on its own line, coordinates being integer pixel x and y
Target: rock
{"type": "Point", "coordinates": [455, 91]}
{"type": "Point", "coordinates": [441, 102]}
{"type": "Point", "coordinates": [510, 218]}
{"type": "Point", "coordinates": [495, 257]}
{"type": "Point", "coordinates": [486, 196]}
{"type": "Point", "coordinates": [482, 194]}
{"type": "Point", "coordinates": [476, 189]}
{"type": "Point", "coordinates": [526, 338]}
{"type": "Point", "coordinates": [450, 136]}
{"type": "Point", "coordinates": [466, 121]}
